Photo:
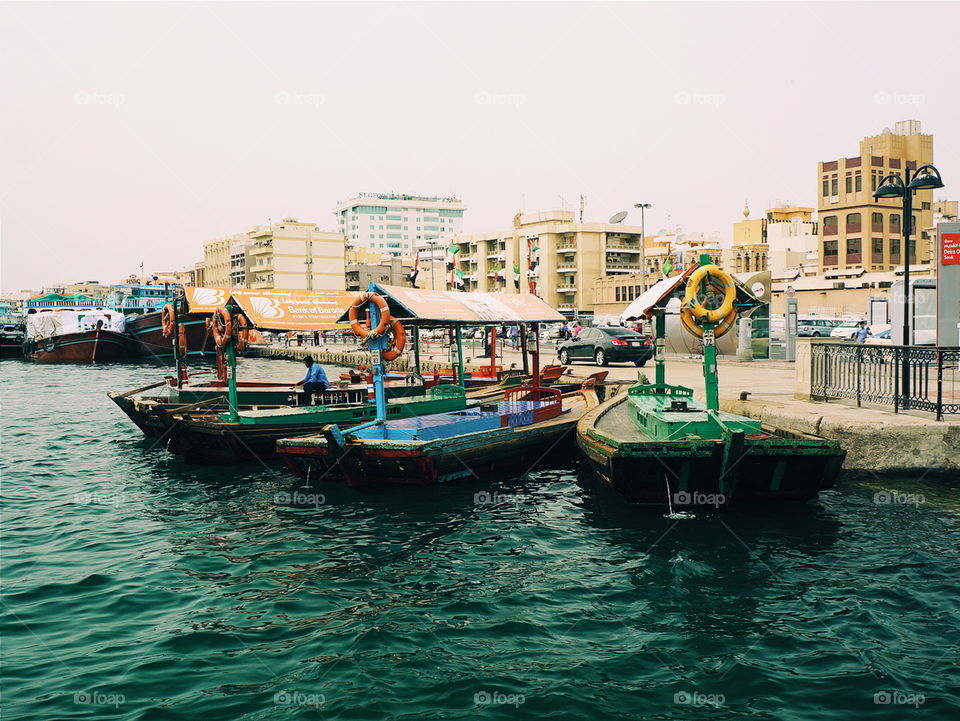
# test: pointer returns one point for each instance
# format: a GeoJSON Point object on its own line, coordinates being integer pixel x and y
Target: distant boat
{"type": "Point", "coordinates": [76, 335]}
{"type": "Point", "coordinates": [142, 305]}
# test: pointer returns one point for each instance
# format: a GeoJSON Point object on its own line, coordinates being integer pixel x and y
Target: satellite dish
{"type": "Point", "coordinates": [618, 217]}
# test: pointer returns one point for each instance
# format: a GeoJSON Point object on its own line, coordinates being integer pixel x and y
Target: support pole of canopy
{"type": "Point", "coordinates": [460, 376]}
{"type": "Point", "coordinates": [711, 389]}
{"type": "Point", "coordinates": [660, 333]}
{"type": "Point", "coordinates": [523, 349]}
{"type": "Point", "coordinates": [416, 350]}
{"type": "Point", "coordinates": [377, 346]}
{"type": "Point", "coordinates": [535, 352]}
{"type": "Point", "coordinates": [231, 373]}
{"type": "Point", "coordinates": [493, 349]}
{"type": "Point", "coordinates": [177, 358]}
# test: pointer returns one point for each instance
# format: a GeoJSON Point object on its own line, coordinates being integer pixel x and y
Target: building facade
{"type": "Point", "coordinates": [856, 231]}
{"type": "Point", "coordinates": [397, 224]}
{"type": "Point", "coordinates": [217, 266]}
{"type": "Point", "coordinates": [391, 270]}
{"type": "Point", "coordinates": [293, 255]}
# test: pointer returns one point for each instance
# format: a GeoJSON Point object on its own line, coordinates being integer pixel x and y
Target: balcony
{"type": "Point", "coordinates": [565, 266]}
{"type": "Point", "coordinates": [622, 246]}
{"type": "Point", "coordinates": [567, 245]}
{"type": "Point", "coordinates": [623, 266]}
{"type": "Point", "coordinates": [567, 289]}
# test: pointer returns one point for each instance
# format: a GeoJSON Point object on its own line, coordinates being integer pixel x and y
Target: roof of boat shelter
{"type": "Point", "coordinates": [660, 292]}
{"type": "Point", "coordinates": [446, 307]}
{"type": "Point", "coordinates": [276, 309]}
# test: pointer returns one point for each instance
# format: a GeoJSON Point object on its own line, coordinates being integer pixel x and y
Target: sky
{"type": "Point", "coordinates": [135, 132]}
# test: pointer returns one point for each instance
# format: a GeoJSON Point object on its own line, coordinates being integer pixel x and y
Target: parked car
{"type": "Point", "coordinates": [847, 329]}
{"type": "Point", "coordinates": [603, 345]}
{"type": "Point", "coordinates": [815, 326]}
{"type": "Point", "coordinates": [881, 338]}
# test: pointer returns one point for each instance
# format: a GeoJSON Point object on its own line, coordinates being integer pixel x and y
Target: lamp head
{"type": "Point", "coordinates": [890, 187]}
{"type": "Point", "coordinates": [927, 177]}
{"type": "Point", "coordinates": [642, 205]}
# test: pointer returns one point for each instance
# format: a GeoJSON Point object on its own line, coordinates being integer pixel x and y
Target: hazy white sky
{"type": "Point", "coordinates": [135, 132]}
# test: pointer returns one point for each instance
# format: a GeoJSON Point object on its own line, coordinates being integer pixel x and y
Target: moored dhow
{"type": "Point", "coordinates": [658, 444]}
{"type": "Point", "coordinates": [94, 335]}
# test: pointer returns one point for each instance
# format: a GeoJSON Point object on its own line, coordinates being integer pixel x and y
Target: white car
{"type": "Point", "coordinates": [847, 329]}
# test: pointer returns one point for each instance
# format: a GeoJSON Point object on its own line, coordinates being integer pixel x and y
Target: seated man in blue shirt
{"type": "Point", "coordinates": [314, 382]}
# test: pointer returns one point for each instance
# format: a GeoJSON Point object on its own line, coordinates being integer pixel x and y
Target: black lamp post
{"type": "Point", "coordinates": [926, 177]}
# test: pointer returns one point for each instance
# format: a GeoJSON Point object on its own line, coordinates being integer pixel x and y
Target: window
{"type": "Point", "coordinates": [826, 187]}
{"type": "Point", "coordinates": [854, 248]}
{"type": "Point", "coordinates": [834, 187]}
{"type": "Point", "coordinates": [853, 222]}
{"type": "Point", "coordinates": [830, 225]}
{"type": "Point", "coordinates": [858, 182]}
{"type": "Point", "coordinates": [848, 185]}
{"type": "Point", "coordinates": [830, 252]}
{"type": "Point", "coordinates": [894, 250]}
{"type": "Point", "coordinates": [876, 250]}
{"type": "Point", "coordinates": [876, 222]}
{"type": "Point", "coordinates": [924, 206]}
{"type": "Point", "coordinates": [895, 223]}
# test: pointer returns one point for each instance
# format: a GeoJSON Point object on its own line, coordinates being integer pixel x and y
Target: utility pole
{"type": "Point", "coordinates": [643, 244]}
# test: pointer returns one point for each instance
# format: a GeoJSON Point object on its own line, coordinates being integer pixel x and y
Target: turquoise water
{"type": "Point", "coordinates": [136, 587]}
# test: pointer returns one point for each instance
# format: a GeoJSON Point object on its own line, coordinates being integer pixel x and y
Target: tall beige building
{"type": "Point", "coordinates": [216, 261]}
{"type": "Point", "coordinates": [858, 232]}
{"type": "Point", "coordinates": [560, 256]}
{"type": "Point", "coordinates": [293, 255]}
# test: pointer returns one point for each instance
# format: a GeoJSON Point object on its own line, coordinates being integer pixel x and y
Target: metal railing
{"type": "Point", "coordinates": [873, 374]}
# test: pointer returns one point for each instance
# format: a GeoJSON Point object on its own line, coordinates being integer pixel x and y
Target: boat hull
{"type": "Point", "coordinates": [11, 347]}
{"type": "Point", "coordinates": [93, 346]}
{"type": "Point", "coordinates": [778, 465]}
{"type": "Point", "coordinates": [150, 343]}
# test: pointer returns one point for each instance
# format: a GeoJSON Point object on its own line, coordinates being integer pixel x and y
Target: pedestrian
{"type": "Point", "coordinates": [316, 337]}
{"type": "Point", "coordinates": [862, 332]}
{"type": "Point", "coordinates": [565, 331]}
{"type": "Point", "coordinates": [577, 328]}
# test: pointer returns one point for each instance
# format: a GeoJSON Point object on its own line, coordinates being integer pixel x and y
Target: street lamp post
{"type": "Point", "coordinates": [643, 244]}
{"type": "Point", "coordinates": [433, 263]}
{"type": "Point", "coordinates": [926, 177]}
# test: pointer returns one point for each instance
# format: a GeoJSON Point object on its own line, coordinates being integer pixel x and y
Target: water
{"type": "Point", "coordinates": [136, 587]}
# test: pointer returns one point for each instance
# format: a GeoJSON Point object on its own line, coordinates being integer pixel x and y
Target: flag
{"type": "Point", "coordinates": [516, 276]}
{"type": "Point", "coordinates": [667, 267]}
{"type": "Point", "coordinates": [497, 272]}
{"type": "Point", "coordinates": [458, 279]}
{"type": "Point", "coordinates": [453, 248]}
{"type": "Point", "coordinates": [415, 272]}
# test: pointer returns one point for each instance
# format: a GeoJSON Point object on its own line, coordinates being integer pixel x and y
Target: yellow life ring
{"type": "Point", "coordinates": [719, 330]}
{"type": "Point", "coordinates": [699, 310]}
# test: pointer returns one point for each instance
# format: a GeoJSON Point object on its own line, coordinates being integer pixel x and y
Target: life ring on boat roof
{"type": "Point", "coordinates": [166, 320]}
{"type": "Point", "coordinates": [699, 310]}
{"type": "Point", "coordinates": [221, 327]}
{"type": "Point", "coordinates": [399, 341]}
{"type": "Point", "coordinates": [362, 329]}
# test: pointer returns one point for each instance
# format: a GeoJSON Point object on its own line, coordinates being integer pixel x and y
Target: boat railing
{"type": "Point", "coordinates": [537, 393]}
{"type": "Point", "coordinates": [447, 390]}
{"type": "Point", "coordinates": [660, 389]}
{"type": "Point", "coordinates": [875, 374]}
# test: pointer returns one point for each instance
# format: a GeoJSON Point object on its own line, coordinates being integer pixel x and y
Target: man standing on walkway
{"type": "Point", "coordinates": [862, 332]}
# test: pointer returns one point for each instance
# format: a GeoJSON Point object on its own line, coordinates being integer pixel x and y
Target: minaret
{"type": "Point", "coordinates": [746, 210]}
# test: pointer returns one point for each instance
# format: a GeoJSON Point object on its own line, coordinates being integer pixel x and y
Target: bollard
{"type": "Point", "coordinates": [745, 340]}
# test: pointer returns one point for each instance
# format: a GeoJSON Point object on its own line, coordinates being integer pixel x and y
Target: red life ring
{"type": "Point", "coordinates": [399, 341]}
{"type": "Point", "coordinates": [166, 320]}
{"type": "Point", "coordinates": [221, 327]}
{"type": "Point", "coordinates": [243, 333]}
{"type": "Point", "coordinates": [361, 329]}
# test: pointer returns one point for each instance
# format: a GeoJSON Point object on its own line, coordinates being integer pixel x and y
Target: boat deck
{"type": "Point", "coordinates": [503, 414]}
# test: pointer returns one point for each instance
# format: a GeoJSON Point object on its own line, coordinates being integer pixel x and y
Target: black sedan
{"type": "Point", "coordinates": [603, 345]}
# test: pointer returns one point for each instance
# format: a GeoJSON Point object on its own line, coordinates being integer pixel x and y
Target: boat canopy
{"type": "Point", "coordinates": [276, 309]}
{"type": "Point", "coordinates": [660, 292]}
{"type": "Point", "coordinates": [446, 307]}
{"type": "Point", "coordinates": [58, 322]}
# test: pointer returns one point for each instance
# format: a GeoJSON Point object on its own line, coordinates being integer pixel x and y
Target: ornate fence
{"type": "Point", "coordinates": [874, 374]}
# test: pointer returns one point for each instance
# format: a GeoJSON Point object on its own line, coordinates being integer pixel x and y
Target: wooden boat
{"type": "Point", "coordinates": [200, 436]}
{"type": "Point", "coordinates": [91, 346]}
{"type": "Point", "coordinates": [149, 341]}
{"type": "Point", "coordinates": [657, 441]}
{"type": "Point", "coordinates": [512, 433]}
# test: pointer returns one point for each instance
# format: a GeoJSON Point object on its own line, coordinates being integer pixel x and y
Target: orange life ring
{"type": "Point", "coordinates": [361, 329]}
{"type": "Point", "coordinates": [243, 333]}
{"type": "Point", "coordinates": [166, 320]}
{"type": "Point", "coordinates": [221, 327]}
{"type": "Point", "coordinates": [399, 341]}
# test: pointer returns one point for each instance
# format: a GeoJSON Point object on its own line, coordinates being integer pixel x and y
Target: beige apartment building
{"type": "Point", "coordinates": [563, 258]}
{"type": "Point", "coordinates": [857, 231]}
{"type": "Point", "coordinates": [292, 255]}
{"type": "Point", "coordinates": [363, 267]}
{"type": "Point", "coordinates": [216, 261]}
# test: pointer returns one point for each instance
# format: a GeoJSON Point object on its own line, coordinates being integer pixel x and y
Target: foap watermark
{"type": "Point", "coordinates": [899, 698]}
{"type": "Point", "coordinates": [97, 499]}
{"type": "Point", "coordinates": [298, 698]}
{"type": "Point", "coordinates": [296, 498]}
{"type": "Point", "coordinates": [484, 97]}
{"type": "Point", "coordinates": [498, 698]}
{"type": "Point", "coordinates": [289, 97]}
{"type": "Point", "coordinates": [696, 498]}
{"type": "Point", "coordinates": [894, 498]}
{"type": "Point", "coordinates": [483, 498]}
{"type": "Point", "coordinates": [97, 698]}
{"type": "Point", "coordinates": [888, 97]}
{"type": "Point", "coordinates": [687, 97]}
{"type": "Point", "coordinates": [87, 97]}
{"type": "Point", "coordinates": [698, 698]}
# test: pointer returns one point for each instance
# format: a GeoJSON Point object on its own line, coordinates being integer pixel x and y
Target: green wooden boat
{"type": "Point", "coordinates": [203, 436]}
{"type": "Point", "coordinates": [657, 442]}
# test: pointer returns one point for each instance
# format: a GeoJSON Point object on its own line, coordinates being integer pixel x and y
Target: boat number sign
{"type": "Point", "coordinates": [708, 337]}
